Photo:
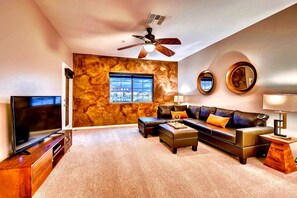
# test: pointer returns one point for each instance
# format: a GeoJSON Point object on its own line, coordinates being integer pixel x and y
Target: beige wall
{"type": "Point", "coordinates": [270, 45]}
{"type": "Point", "coordinates": [31, 56]}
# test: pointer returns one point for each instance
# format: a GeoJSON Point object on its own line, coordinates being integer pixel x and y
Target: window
{"type": "Point", "coordinates": [131, 87]}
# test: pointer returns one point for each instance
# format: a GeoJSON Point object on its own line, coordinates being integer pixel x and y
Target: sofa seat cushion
{"type": "Point", "coordinates": [200, 125]}
{"type": "Point", "coordinates": [151, 121]}
{"type": "Point", "coordinates": [227, 134]}
{"type": "Point", "coordinates": [173, 120]}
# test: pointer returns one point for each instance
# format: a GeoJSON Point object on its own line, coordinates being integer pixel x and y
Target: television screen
{"type": "Point", "coordinates": [34, 118]}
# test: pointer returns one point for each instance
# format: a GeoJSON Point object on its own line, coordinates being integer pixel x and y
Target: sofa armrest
{"type": "Point", "coordinates": [250, 136]}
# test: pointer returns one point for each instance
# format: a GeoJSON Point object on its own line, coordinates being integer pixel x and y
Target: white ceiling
{"type": "Point", "coordinates": [101, 26]}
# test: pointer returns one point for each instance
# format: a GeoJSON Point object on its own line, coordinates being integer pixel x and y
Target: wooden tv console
{"type": "Point", "coordinates": [21, 175]}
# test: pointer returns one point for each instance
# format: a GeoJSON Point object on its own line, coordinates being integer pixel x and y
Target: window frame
{"type": "Point", "coordinates": [131, 76]}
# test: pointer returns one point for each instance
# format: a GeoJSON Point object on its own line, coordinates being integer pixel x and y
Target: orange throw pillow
{"type": "Point", "coordinates": [217, 120]}
{"type": "Point", "coordinates": [182, 114]}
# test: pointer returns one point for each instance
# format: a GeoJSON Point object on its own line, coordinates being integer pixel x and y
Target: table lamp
{"type": "Point", "coordinates": [281, 103]}
{"type": "Point", "coordinates": [178, 99]}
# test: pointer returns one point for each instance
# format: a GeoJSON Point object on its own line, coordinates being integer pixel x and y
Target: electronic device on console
{"type": "Point", "coordinates": [34, 119]}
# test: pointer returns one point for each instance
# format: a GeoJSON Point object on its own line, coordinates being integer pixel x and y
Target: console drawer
{"type": "Point", "coordinates": [41, 169]}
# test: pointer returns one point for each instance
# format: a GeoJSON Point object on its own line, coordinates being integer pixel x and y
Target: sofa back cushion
{"type": "Point", "coordinates": [180, 107]}
{"type": "Point", "coordinates": [193, 111]}
{"type": "Point", "coordinates": [225, 113]}
{"type": "Point", "coordinates": [205, 111]}
{"type": "Point", "coordinates": [246, 119]}
{"type": "Point", "coordinates": [165, 111]}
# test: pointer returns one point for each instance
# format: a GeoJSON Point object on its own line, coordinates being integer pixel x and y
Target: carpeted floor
{"type": "Point", "coordinates": [119, 162]}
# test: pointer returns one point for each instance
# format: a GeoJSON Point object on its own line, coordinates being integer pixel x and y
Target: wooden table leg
{"type": "Point", "coordinates": [280, 157]}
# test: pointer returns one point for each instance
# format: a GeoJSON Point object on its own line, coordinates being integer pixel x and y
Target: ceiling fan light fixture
{"type": "Point", "coordinates": [149, 47]}
{"type": "Point", "coordinates": [151, 44]}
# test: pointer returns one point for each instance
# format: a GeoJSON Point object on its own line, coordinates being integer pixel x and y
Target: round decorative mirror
{"type": "Point", "coordinates": [241, 77]}
{"type": "Point", "coordinates": [205, 82]}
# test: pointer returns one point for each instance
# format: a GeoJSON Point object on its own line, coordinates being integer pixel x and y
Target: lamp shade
{"type": "Point", "coordinates": [178, 99]}
{"type": "Point", "coordinates": [280, 102]}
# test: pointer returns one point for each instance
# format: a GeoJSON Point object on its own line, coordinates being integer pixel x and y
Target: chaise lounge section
{"type": "Point", "coordinates": [149, 125]}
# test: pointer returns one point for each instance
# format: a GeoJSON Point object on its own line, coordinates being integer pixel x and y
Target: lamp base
{"type": "Point", "coordinates": [277, 128]}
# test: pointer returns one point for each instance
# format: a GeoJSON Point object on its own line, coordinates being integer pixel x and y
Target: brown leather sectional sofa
{"type": "Point", "coordinates": [241, 135]}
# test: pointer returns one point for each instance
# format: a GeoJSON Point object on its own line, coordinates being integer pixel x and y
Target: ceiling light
{"type": "Point", "coordinates": [149, 47]}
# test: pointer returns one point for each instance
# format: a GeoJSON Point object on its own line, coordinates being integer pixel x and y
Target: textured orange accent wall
{"type": "Point", "coordinates": [91, 105]}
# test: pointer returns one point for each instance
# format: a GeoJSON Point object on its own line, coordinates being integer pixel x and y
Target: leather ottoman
{"type": "Point", "coordinates": [149, 125]}
{"type": "Point", "coordinates": [177, 138]}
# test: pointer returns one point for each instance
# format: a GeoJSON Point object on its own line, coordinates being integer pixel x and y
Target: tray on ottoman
{"type": "Point", "coordinates": [177, 125]}
{"type": "Point", "coordinates": [177, 138]}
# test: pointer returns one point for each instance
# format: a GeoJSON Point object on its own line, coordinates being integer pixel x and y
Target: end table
{"type": "Point", "coordinates": [279, 155]}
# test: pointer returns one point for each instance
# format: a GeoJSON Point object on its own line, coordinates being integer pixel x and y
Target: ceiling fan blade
{"type": "Point", "coordinates": [164, 50]}
{"type": "Point", "coordinates": [129, 46]}
{"type": "Point", "coordinates": [168, 41]}
{"type": "Point", "coordinates": [142, 53]}
{"type": "Point", "coordinates": [139, 37]}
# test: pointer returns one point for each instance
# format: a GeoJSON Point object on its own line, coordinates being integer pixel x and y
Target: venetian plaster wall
{"type": "Point", "coordinates": [31, 56]}
{"type": "Point", "coordinates": [91, 106]}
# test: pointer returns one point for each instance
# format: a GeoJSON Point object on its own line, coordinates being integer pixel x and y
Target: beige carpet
{"type": "Point", "coordinates": [119, 162]}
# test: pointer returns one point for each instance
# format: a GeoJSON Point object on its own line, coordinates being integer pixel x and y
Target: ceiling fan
{"type": "Point", "coordinates": [150, 44]}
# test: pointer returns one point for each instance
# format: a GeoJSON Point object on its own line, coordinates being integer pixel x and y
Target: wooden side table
{"type": "Point", "coordinates": [279, 155]}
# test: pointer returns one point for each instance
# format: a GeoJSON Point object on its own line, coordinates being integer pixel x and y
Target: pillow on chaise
{"type": "Point", "coordinates": [182, 114]}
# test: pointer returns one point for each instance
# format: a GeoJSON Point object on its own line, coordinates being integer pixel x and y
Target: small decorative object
{"type": "Point", "coordinates": [205, 82]}
{"type": "Point", "coordinates": [176, 117]}
{"type": "Point", "coordinates": [281, 103]}
{"type": "Point", "coordinates": [176, 124]}
{"type": "Point", "coordinates": [178, 99]}
{"type": "Point", "coordinates": [241, 77]}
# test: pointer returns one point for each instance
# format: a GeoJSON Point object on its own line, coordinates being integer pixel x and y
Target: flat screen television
{"type": "Point", "coordinates": [34, 119]}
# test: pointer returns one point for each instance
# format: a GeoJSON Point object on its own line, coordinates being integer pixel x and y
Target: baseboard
{"type": "Point", "coordinates": [105, 126]}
